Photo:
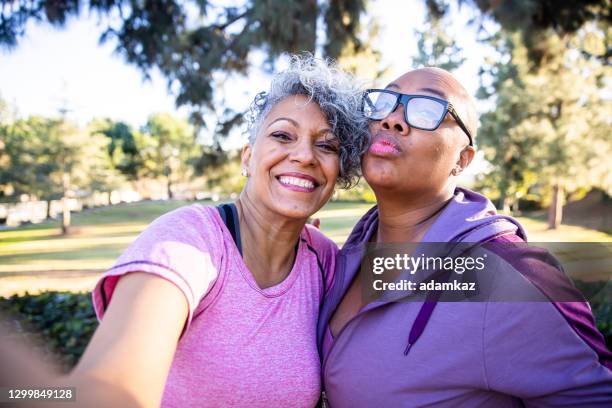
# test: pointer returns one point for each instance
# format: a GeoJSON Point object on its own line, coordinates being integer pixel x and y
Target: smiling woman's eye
{"type": "Point", "coordinates": [283, 136]}
{"type": "Point", "coordinates": [328, 146]}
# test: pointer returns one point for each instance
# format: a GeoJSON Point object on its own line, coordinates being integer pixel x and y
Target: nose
{"type": "Point", "coordinates": [303, 152]}
{"type": "Point", "coordinates": [395, 121]}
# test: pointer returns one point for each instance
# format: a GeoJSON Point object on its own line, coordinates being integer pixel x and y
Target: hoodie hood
{"type": "Point", "coordinates": [468, 217]}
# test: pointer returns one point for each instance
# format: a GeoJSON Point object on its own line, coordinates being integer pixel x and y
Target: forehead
{"type": "Point", "coordinates": [428, 82]}
{"type": "Point", "coordinates": [299, 108]}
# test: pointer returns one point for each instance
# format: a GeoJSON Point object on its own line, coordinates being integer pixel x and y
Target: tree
{"type": "Point", "coordinates": [82, 163]}
{"type": "Point", "coordinates": [53, 158]}
{"type": "Point", "coordinates": [124, 147]}
{"type": "Point", "coordinates": [191, 41]}
{"type": "Point", "coordinates": [535, 20]}
{"type": "Point", "coordinates": [551, 125]}
{"type": "Point", "coordinates": [172, 151]}
{"type": "Point", "coordinates": [435, 47]}
{"type": "Point", "coordinates": [28, 162]}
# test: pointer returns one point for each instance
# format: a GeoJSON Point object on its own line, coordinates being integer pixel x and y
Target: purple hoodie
{"type": "Point", "coordinates": [501, 354]}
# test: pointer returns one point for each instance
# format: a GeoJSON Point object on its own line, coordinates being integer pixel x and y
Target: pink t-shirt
{"type": "Point", "coordinates": [242, 345]}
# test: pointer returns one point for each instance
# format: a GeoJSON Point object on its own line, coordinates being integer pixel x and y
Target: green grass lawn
{"type": "Point", "coordinates": [99, 236]}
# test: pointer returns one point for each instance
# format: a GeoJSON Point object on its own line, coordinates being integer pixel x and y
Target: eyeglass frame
{"type": "Point", "coordinates": [404, 98]}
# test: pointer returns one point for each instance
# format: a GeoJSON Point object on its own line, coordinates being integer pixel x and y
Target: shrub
{"type": "Point", "coordinates": [66, 321]}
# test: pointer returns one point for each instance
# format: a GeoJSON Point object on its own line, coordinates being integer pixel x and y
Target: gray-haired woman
{"type": "Point", "coordinates": [218, 306]}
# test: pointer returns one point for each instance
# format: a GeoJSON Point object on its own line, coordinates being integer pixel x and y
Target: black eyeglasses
{"type": "Point", "coordinates": [420, 111]}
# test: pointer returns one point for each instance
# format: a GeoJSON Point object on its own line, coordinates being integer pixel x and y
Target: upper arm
{"type": "Point", "coordinates": [532, 353]}
{"type": "Point", "coordinates": [135, 343]}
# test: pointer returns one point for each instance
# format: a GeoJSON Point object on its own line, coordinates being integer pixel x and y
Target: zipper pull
{"type": "Point", "coordinates": [324, 403]}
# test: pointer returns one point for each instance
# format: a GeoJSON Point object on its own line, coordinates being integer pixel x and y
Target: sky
{"type": "Point", "coordinates": [56, 68]}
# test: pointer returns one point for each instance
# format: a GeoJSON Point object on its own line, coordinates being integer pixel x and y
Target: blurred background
{"type": "Point", "coordinates": [113, 112]}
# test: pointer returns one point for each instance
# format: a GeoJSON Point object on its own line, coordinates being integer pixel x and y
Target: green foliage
{"type": "Point", "coordinates": [191, 41]}
{"type": "Point", "coordinates": [124, 146]}
{"type": "Point", "coordinates": [43, 157]}
{"type": "Point", "coordinates": [224, 177]}
{"type": "Point", "coordinates": [436, 48]}
{"type": "Point", "coordinates": [171, 149]}
{"type": "Point", "coordinates": [534, 19]}
{"type": "Point", "coordinates": [361, 193]}
{"type": "Point", "coordinates": [28, 162]}
{"type": "Point", "coordinates": [550, 123]}
{"type": "Point", "coordinates": [65, 320]}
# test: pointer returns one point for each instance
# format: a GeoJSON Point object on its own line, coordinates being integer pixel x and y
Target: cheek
{"type": "Point", "coordinates": [430, 153]}
{"type": "Point", "coordinates": [330, 166]}
{"type": "Point", "coordinates": [265, 157]}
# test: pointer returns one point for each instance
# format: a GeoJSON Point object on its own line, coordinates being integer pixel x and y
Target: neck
{"type": "Point", "coordinates": [268, 240]}
{"type": "Point", "coordinates": [407, 217]}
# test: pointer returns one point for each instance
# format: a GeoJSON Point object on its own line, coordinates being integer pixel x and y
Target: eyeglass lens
{"type": "Point", "coordinates": [421, 112]}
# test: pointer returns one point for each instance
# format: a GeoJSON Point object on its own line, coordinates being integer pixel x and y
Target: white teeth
{"type": "Point", "coordinates": [295, 181]}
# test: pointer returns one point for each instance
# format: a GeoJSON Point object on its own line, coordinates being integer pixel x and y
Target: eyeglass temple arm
{"type": "Point", "coordinates": [453, 112]}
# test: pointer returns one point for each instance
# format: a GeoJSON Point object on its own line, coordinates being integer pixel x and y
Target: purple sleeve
{"type": "Point", "coordinates": [182, 247]}
{"type": "Point", "coordinates": [540, 352]}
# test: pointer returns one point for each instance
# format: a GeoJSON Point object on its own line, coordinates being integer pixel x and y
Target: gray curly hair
{"type": "Point", "coordinates": [338, 95]}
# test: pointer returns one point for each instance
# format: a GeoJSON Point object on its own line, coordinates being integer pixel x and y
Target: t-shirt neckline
{"type": "Point", "coordinates": [271, 291]}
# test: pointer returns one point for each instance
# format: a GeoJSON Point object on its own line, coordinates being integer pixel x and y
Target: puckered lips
{"type": "Point", "coordinates": [298, 182]}
{"type": "Point", "coordinates": [385, 145]}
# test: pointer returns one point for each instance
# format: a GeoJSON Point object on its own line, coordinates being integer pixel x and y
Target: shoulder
{"type": "Point", "coordinates": [188, 223]}
{"type": "Point", "coordinates": [319, 242]}
{"type": "Point", "coordinates": [324, 249]}
{"type": "Point", "coordinates": [195, 214]}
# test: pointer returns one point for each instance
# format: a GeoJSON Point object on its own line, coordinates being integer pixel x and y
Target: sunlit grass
{"type": "Point", "coordinates": [98, 237]}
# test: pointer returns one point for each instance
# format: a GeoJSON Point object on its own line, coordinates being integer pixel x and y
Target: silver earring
{"type": "Point", "coordinates": [244, 172]}
{"type": "Point", "coordinates": [456, 171]}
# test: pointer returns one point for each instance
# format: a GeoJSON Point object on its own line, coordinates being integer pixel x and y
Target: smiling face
{"type": "Point", "coordinates": [409, 160]}
{"type": "Point", "coordinates": [293, 163]}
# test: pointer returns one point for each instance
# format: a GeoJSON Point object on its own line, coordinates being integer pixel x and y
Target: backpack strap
{"type": "Point", "coordinates": [308, 243]}
{"type": "Point", "coordinates": [229, 215]}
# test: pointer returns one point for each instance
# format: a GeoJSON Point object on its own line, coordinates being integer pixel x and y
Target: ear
{"type": "Point", "coordinates": [465, 157]}
{"type": "Point", "coordinates": [245, 157]}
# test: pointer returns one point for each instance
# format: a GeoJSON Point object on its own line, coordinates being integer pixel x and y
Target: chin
{"type": "Point", "coordinates": [381, 175]}
{"type": "Point", "coordinates": [294, 211]}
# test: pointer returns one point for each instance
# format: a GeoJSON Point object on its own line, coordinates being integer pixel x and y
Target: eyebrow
{"type": "Point", "coordinates": [327, 131]}
{"type": "Point", "coordinates": [297, 125]}
{"type": "Point", "coordinates": [430, 90]}
{"type": "Point", "coordinates": [293, 122]}
{"type": "Point", "coordinates": [435, 92]}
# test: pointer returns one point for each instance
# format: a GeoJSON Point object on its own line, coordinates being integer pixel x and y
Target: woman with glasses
{"type": "Point", "coordinates": [218, 306]}
{"type": "Point", "coordinates": [409, 349]}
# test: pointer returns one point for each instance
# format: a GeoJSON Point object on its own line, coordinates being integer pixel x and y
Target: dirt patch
{"type": "Point", "coordinates": [593, 211]}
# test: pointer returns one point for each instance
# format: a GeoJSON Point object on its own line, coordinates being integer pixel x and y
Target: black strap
{"type": "Point", "coordinates": [229, 215]}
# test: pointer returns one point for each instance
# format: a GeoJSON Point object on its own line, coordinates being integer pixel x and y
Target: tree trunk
{"type": "Point", "coordinates": [169, 187]}
{"type": "Point", "coordinates": [555, 211]}
{"type": "Point", "coordinates": [48, 217]}
{"type": "Point", "coordinates": [65, 207]}
{"type": "Point", "coordinates": [504, 203]}
{"type": "Point", "coordinates": [65, 216]}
